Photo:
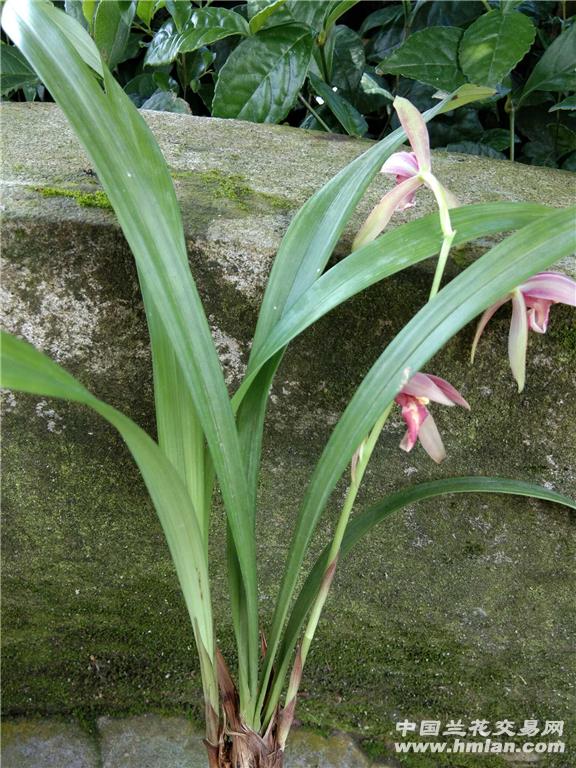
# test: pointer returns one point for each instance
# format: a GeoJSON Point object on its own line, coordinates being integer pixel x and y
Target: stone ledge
{"type": "Point", "coordinates": [151, 741]}
{"type": "Point", "coordinates": [442, 611]}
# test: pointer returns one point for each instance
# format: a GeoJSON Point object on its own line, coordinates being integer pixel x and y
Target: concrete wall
{"type": "Point", "coordinates": [461, 608]}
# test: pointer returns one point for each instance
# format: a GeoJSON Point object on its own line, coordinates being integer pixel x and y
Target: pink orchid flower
{"type": "Point", "coordinates": [412, 170]}
{"type": "Point", "coordinates": [531, 304]}
{"type": "Point", "coordinates": [413, 399]}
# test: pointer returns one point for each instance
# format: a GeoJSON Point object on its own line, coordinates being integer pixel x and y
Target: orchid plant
{"type": "Point", "coordinates": [207, 438]}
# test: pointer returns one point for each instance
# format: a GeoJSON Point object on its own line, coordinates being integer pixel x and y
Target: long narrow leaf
{"type": "Point", "coordinates": [135, 177]}
{"type": "Point", "coordinates": [303, 254]}
{"type": "Point", "coordinates": [384, 257]}
{"type": "Point", "coordinates": [317, 227]}
{"type": "Point", "coordinates": [24, 368]}
{"type": "Point", "coordinates": [363, 523]}
{"type": "Point", "coordinates": [506, 265]}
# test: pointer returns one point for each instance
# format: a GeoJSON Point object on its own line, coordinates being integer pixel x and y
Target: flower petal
{"type": "Point", "coordinates": [483, 323]}
{"type": "Point", "coordinates": [403, 164]}
{"type": "Point", "coordinates": [415, 127]}
{"type": "Point", "coordinates": [423, 385]}
{"type": "Point", "coordinates": [449, 391]}
{"type": "Point", "coordinates": [538, 311]}
{"type": "Point", "coordinates": [431, 441]}
{"type": "Point", "coordinates": [518, 338]}
{"type": "Point", "coordinates": [551, 286]}
{"type": "Point", "coordinates": [382, 213]}
{"type": "Point", "coordinates": [414, 414]}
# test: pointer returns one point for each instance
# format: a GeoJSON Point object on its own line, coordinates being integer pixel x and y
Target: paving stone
{"type": "Point", "coordinates": [150, 741]}
{"type": "Point", "coordinates": [306, 749]}
{"type": "Point", "coordinates": [47, 744]}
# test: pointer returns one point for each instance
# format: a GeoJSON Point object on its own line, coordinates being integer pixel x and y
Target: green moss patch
{"type": "Point", "coordinates": [98, 199]}
{"type": "Point", "coordinates": [233, 188]}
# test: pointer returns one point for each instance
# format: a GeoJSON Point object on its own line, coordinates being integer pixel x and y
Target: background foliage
{"type": "Point", "coordinates": [336, 65]}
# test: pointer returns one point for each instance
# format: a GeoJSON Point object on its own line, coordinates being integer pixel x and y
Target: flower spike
{"type": "Point", "coordinates": [531, 304]}
{"type": "Point", "coordinates": [412, 170]}
{"type": "Point", "coordinates": [413, 399]}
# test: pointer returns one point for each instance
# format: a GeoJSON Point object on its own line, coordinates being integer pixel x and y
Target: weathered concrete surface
{"type": "Point", "coordinates": [446, 611]}
{"type": "Point", "coordinates": [150, 741]}
{"type": "Point", "coordinates": [47, 744]}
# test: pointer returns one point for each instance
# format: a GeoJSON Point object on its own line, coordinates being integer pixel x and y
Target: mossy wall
{"type": "Point", "coordinates": [460, 608]}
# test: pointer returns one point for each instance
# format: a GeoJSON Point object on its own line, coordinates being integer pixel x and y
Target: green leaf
{"type": "Point", "coordinates": [348, 59]}
{"type": "Point", "coordinates": [562, 137]}
{"type": "Point", "coordinates": [475, 148]}
{"type": "Point", "coordinates": [141, 88]}
{"type": "Point", "coordinates": [16, 72]}
{"type": "Point", "coordinates": [569, 103]}
{"type": "Point", "coordinates": [381, 18]}
{"type": "Point", "coordinates": [430, 56]}
{"type": "Point", "coordinates": [74, 9]}
{"type": "Point", "coordinates": [384, 257]}
{"type": "Point", "coordinates": [363, 523]}
{"type": "Point", "coordinates": [371, 96]}
{"type": "Point", "coordinates": [533, 248]}
{"type": "Point", "coordinates": [497, 138]}
{"type": "Point", "coordinates": [507, 6]}
{"type": "Point", "coordinates": [339, 9]}
{"type": "Point", "coordinates": [464, 95]}
{"type": "Point", "coordinates": [25, 369]}
{"type": "Point", "coordinates": [88, 8]}
{"type": "Point", "coordinates": [166, 101]}
{"type": "Point", "coordinates": [556, 70]}
{"type": "Point", "coordinates": [145, 10]}
{"type": "Point", "coordinates": [205, 26]}
{"type": "Point", "coordinates": [349, 118]}
{"type": "Point", "coordinates": [447, 13]}
{"type": "Point", "coordinates": [116, 139]}
{"type": "Point", "coordinates": [312, 14]}
{"type": "Point", "coordinates": [259, 11]}
{"type": "Point", "coordinates": [263, 76]}
{"type": "Point", "coordinates": [492, 46]}
{"type": "Point", "coordinates": [180, 10]}
{"type": "Point", "coordinates": [539, 153]}
{"type": "Point", "coordinates": [112, 30]}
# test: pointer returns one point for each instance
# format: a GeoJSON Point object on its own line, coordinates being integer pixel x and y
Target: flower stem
{"type": "Point", "coordinates": [313, 111]}
{"type": "Point", "coordinates": [443, 208]}
{"type": "Point", "coordinates": [512, 121]}
{"type": "Point", "coordinates": [358, 474]}
{"type": "Point", "coordinates": [442, 259]}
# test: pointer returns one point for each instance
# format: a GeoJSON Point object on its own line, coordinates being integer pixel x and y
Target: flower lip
{"type": "Point", "coordinates": [434, 388]}
{"type": "Point", "coordinates": [413, 399]}
{"type": "Point", "coordinates": [551, 286]}
{"type": "Point", "coordinates": [531, 304]}
{"type": "Point", "coordinates": [403, 165]}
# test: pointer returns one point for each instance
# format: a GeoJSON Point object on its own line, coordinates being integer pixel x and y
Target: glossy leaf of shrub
{"type": "Point", "coordinates": [348, 59]}
{"type": "Point", "coordinates": [111, 23]}
{"type": "Point", "coordinates": [180, 10]}
{"type": "Point", "coordinates": [430, 56]}
{"type": "Point", "coordinates": [16, 72]}
{"type": "Point", "coordinates": [492, 46]}
{"type": "Point", "coordinates": [567, 104]}
{"type": "Point", "coordinates": [348, 116]}
{"type": "Point", "coordinates": [259, 11]}
{"type": "Point", "coordinates": [556, 70]}
{"type": "Point", "coordinates": [206, 25]}
{"type": "Point", "coordinates": [262, 77]}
